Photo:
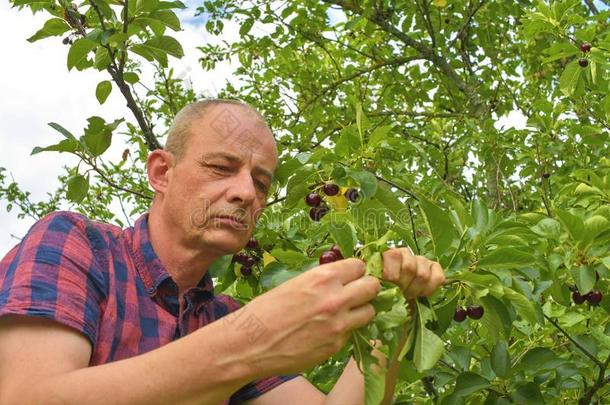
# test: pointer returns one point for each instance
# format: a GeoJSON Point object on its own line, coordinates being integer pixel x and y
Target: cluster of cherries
{"type": "Point", "coordinates": [594, 297]}
{"type": "Point", "coordinates": [249, 258]}
{"type": "Point", "coordinates": [473, 312]}
{"type": "Point", "coordinates": [319, 208]}
{"type": "Point", "coordinates": [584, 48]}
{"type": "Point", "coordinates": [331, 255]}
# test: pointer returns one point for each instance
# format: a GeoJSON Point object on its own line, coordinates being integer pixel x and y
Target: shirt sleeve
{"type": "Point", "coordinates": [258, 387]}
{"type": "Point", "coordinates": [53, 273]}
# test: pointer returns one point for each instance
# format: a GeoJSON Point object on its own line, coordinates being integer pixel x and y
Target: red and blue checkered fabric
{"type": "Point", "coordinates": [109, 284]}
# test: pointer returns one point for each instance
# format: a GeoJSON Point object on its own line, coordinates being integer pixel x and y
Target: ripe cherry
{"type": "Point", "coordinates": [252, 244]}
{"type": "Point", "coordinates": [578, 298]}
{"type": "Point", "coordinates": [335, 249]}
{"type": "Point", "coordinates": [246, 271]}
{"type": "Point", "coordinates": [460, 314]}
{"type": "Point", "coordinates": [328, 257]}
{"type": "Point", "coordinates": [475, 311]}
{"type": "Point", "coordinates": [594, 297]}
{"type": "Point", "coordinates": [313, 200]}
{"type": "Point", "coordinates": [240, 258]}
{"type": "Point", "coordinates": [352, 194]}
{"type": "Point", "coordinates": [585, 47]}
{"type": "Point", "coordinates": [249, 261]}
{"type": "Point", "coordinates": [330, 189]}
{"type": "Point", "coordinates": [583, 62]}
{"type": "Point", "coordinates": [316, 213]}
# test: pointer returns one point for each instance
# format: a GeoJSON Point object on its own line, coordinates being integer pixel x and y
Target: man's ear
{"type": "Point", "coordinates": [158, 164]}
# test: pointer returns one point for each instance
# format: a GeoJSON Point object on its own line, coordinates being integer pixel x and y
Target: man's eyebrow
{"type": "Point", "coordinates": [236, 159]}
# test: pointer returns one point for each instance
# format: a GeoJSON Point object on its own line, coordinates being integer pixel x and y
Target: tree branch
{"type": "Point", "coordinates": [578, 345]}
{"type": "Point", "coordinates": [424, 51]}
{"type": "Point", "coordinates": [591, 6]}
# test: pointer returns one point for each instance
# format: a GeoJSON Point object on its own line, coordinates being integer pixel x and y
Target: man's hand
{"type": "Point", "coordinates": [417, 276]}
{"type": "Point", "coordinates": [308, 318]}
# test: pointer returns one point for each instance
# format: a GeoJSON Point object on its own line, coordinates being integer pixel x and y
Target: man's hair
{"type": "Point", "coordinates": [180, 131]}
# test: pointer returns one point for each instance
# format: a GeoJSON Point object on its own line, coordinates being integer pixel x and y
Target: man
{"type": "Point", "coordinates": [90, 313]}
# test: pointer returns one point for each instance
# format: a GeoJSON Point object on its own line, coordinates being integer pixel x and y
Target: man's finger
{"type": "Point", "coordinates": [421, 279]}
{"type": "Point", "coordinates": [361, 291]}
{"type": "Point", "coordinates": [346, 270]}
{"type": "Point", "coordinates": [437, 278]}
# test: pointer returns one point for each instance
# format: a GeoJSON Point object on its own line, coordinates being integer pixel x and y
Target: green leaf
{"type": "Point", "coordinates": [574, 225]}
{"type": "Point", "coordinates": [524, 307]}
{"type": "Point", "coordinates": [131, 77]}
{"type": "Point", "coordinates": [367, 182]}
{"type": "Point", "coordinates": [103, 91]}
{"type": "Point", "coordinates": [102, 58]}
{"type": "Point", "coordinates": [528, 394]}
{"type": "Point", "coordinates": [348, 141]}
{"type": "Point", "coordinates": [77, 188]}
{"type": "Point", "coordinates": [166, 18]}
{"type": "Point", "coordinates": [374, 265]}
{"type": "Point", "coordinates": [77, 55]}
{"type": "Point", "coordinates": [439, 226]}
{"type": "Point", "coordinates": [61, 130]}
{"type": "Point", "coordinates": [158, 48]}
{"type": "Point", "coordinates": [379, 134]}
{"type": "Point", "coordinates": [506, 257]}
{"type": "Point", "coordinates": [343, 234]}
{"type": "Point", "coordinates": [468, 383]}
{"type": "Point", "coordinates": [220, 266]}
{"type": "Point", "coordinates": [593, 226]}
{"type": "Point", "coordinates": [539, 360]}
{"type": "Point", "coordinates": [584, 277]}
{"type": "Point", "coordinates": [98, 135]}
{"type": "Point", "coordinates": [500, 360]}
{"type": "Point", "coordinates": [246, 26]}
{"type": "Point", "coordinates": [51, 28]}
{"type": "Point", "coordinates": [67, 145]}
{"type": "Point", "coordinates": [374, 384]}
{"type": "Point", "coordinates": [276, 273]}
{"type": "Point", "coordinates": [497, 318]}
{"type": "Point", "coordinates": [569, 78]}
{"type": "Point", "coordinates": [428, 346]}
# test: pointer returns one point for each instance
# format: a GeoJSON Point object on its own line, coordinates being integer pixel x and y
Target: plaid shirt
{"type": "Point", "coordinates": [109, 284]}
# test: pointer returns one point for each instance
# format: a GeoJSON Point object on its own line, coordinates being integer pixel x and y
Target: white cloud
{"type": "Point", "coordinates": [37, 88]}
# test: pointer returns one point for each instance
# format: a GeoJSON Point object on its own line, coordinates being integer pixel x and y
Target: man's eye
{"type": "Point", "coordinates": [262, 186]}
{"type": "Point", "coordinates": [224, 169]}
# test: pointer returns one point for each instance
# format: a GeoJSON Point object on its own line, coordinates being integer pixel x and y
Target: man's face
{"type": "Point", "coordinates": [219, 187]}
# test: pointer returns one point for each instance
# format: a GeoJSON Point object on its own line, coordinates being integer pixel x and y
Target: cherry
{"type": "Point", "coordinates": [475, 311]}
{"type": "Point", "coordinates": [249, 261]}
{"type": "Point", "coordinates": [66, 40]}
{"type": "Point", "coordinates": [335, 249]}
{"type": "Point", "coordinates": [316, 213]}
{"type": "Point", "coordinates": [328, 257]}
{"type": "Point", "coordinates": [240, 258]}
{"type": "Point", "coordinates": [352, 194]}
{"type": "Point", "coordinates": [252, 244]}
{"type": "Point", "coordinates": [246, 271]}
{"type": "Point", "coordinates": [583, 62]}
{"type": "Point", "coordinates": [585, 47]}
{"type": "Point", "coordinates": [578, 298]}
{"type": "Point", "coordinates": [330, 189]}
{"type": "Point", "coordinates": [460, 314]}
{"type": "Point", "coordinates": [313, 200]}
{"type": "Point", "coordinates": [546, 175]}
{"type": "Point", "coordinates": [594, 297]}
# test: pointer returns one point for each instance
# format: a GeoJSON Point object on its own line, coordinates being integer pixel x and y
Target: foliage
{"type": "Point", "coordinates": [401, 99]}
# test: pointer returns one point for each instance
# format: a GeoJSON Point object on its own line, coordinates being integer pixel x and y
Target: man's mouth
{"type": "Point", "coordinates": [230, 220]}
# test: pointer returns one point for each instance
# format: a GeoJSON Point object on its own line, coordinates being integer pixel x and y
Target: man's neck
{"type": "Point", "coordinates": [185, 264]}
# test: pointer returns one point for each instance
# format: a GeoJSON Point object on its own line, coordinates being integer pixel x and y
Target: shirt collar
{"type": "Point", "coordinates": [149, 266]}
